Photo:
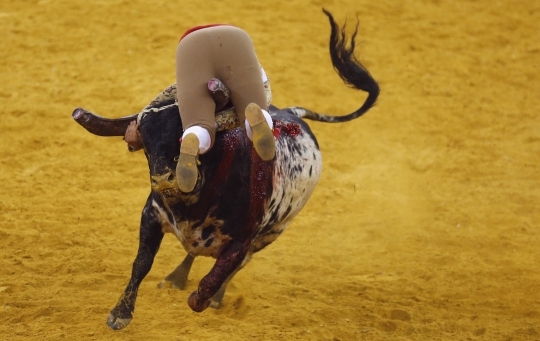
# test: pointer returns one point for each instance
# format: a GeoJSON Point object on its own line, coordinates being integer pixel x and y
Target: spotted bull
{"type": "Point", "coordinates": [241, 203]}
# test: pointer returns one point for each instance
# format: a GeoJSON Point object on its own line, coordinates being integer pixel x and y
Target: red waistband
{"type": "Point", "coordinates": [196, 28]}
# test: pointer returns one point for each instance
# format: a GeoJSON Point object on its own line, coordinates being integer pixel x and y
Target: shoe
{"type": "Point", "coordinates": [187, 173]}
{"type": "Point", "coordinates": [263, 138]}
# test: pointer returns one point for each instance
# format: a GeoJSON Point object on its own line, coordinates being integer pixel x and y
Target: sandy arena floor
{"type": "Point", "coordinates": [424, 225]}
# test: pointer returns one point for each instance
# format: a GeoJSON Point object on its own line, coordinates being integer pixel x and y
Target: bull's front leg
{"type": "Point", "coordinates": [232, 257]}
{"type": "Point", "coordinates": [150, 237]}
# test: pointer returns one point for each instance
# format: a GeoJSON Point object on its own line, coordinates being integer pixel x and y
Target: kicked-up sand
{"type": "Point", "coordinates": [424, 226]}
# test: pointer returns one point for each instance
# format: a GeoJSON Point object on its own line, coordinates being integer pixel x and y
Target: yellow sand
{"type": "Point", "coordinates": [424, 225]}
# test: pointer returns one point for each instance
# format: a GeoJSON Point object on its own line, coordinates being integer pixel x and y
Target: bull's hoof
{"type": "Point", "coordinates": [214, 304]}
{"type": "Point", "coordinates": [117, 323]}
{"type": "Point", "coordinates": [173, 284]}
{"type": "Point", "coordinates": [196, 303]}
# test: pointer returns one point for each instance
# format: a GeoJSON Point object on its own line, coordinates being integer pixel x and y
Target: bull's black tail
{"type": "Point", "coordinates": [350, 70]}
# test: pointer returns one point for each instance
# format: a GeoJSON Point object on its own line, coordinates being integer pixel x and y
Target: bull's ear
{"type": "Point", "coordinates": [133, 149]}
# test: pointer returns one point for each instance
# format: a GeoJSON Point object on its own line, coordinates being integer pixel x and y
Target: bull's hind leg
{"type": "Point", "coordinates": [231, 258]}
{"type": "Point", "coordinates": [178, 278]}
{"type": "Point", "coordinates": [215, 301]}
{"type": "Point", "coordinates": [150, 237]}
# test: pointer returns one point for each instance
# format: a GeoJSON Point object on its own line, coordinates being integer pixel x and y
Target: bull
{"type": "Point", "coordinates": [241, 203]}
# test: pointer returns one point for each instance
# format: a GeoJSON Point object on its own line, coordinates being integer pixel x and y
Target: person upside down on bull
{"type": "Point", "coordinates": [227, 53]}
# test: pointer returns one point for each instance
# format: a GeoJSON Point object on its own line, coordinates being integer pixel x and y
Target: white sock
{"type": "Point", "coordinates": [268, 120]}
{"type": "Point", "coordinates": [203, 135]}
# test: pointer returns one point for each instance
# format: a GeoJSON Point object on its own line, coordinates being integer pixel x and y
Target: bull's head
{"type": "Point", "coordinates": [161, 128]}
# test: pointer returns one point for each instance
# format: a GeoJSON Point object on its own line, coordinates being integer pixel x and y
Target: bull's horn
{"type": "Point", "coordinates": [220, 93]}
{"type": "Point", "coordinates": [102, 126]}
